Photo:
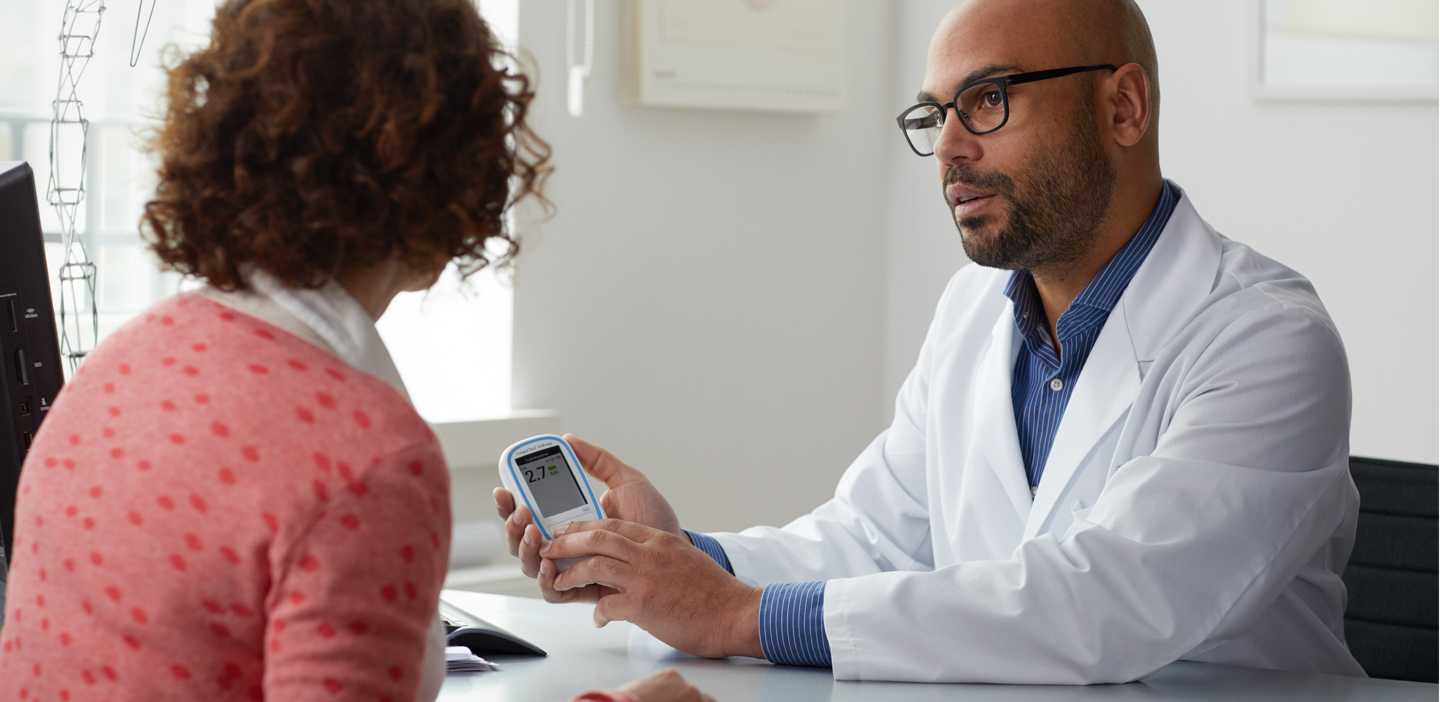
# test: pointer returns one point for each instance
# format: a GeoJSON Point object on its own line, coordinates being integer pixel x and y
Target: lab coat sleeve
{"type": "Point", "coordinates": [878, 519]}
{"type": "Point", "coordinates": [1247, 481]}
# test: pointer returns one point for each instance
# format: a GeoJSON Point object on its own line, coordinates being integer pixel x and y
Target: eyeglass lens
{"type": "Point", "coordinates": [982, 107]}
{"type": "Point", "coordinates": [922, 128]}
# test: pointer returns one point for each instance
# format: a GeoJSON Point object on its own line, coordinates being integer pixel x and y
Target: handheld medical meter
{"type": "Point", "coordinates": [543, 474]}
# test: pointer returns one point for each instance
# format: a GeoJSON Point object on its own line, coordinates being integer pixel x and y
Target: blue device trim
{"type": "Point", "coordinates": [510, 463]}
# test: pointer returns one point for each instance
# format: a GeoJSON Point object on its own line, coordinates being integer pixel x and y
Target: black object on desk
{"type": "Point", "coordinates": [1390, 622]}
{"type": "Point", "coordinates": [481, 637]}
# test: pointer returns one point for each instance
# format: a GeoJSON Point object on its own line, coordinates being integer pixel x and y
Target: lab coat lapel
{"type": "Point", "coordinates": [1104, 391]}
{"type": "Point", "coordinates": [995, 412]}
{"type": "Point", "coordinates": [1175, 279]}
{"type": "Point", "coordinates": [1170, 285]}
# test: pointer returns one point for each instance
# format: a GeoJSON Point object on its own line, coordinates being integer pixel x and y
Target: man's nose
{"type": "Point", "coordinates": [955, 143]}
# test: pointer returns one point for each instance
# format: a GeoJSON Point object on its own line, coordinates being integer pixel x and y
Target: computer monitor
{"type": "Point", "coordinates": [29, 345]}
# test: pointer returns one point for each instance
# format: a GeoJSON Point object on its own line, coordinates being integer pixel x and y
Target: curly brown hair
{"type": "Point", "coordinates": [315, 135]}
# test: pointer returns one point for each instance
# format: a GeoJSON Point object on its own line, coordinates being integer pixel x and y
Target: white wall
{"type": "Point", "coordinates": [922, 246]}
{"type": "Point", "coordinates": [730, 300]}
{"type": "Point", "coordinates": [707, 300]}
{"type": "Point", "coordinates": [1345, 194]}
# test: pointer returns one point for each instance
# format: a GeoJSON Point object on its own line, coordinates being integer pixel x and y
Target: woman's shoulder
{"type": "Point", "coordinates": [190, 352]}
{"type": "Point", "coordinates": [196, 397]}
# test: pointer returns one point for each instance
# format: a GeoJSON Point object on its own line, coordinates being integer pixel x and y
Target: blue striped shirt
{"type": "Point", "coordinates": [1042, 381]}
{"type": "Point", "coordinates": [792, 615]}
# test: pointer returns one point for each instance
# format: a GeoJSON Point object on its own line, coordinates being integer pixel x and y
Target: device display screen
{"type": "Point", "coordinates": [548, 476]}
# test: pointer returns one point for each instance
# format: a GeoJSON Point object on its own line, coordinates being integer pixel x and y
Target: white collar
{"type": "Point", "coordinates": [327, 317]}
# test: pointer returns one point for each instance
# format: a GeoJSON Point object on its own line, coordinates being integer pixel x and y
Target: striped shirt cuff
{"type": "Point", "coordinates": [711, 547]}
{"type": "Point", "coordinates": [792, 624]}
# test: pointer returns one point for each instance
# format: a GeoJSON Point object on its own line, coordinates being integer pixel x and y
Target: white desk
{"type": "Point", "coordinates": [583, 658]}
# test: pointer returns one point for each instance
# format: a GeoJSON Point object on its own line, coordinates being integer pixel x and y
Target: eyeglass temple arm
{"type": "Point", "coordinates": [1056, 73]}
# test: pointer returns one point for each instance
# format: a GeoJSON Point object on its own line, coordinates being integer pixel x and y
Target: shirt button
{"type": "Point", "coordinates": [1056, 384]}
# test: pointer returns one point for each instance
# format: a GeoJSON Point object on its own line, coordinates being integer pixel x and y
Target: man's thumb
{"type": "Point", "coordinates": [595, 460]}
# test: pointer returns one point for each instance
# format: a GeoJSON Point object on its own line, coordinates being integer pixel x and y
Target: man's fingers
{"type": "Point", "coordinates": [634, 531]}
{"type": "Point", "coordinates": [514, 532]}
{"type": "Point", "coordinates": [619, 607]}
{"type": "Point", "coordinates": [546, 581]}
{"type": "Point", "coordinates": [524, 541]}
{"type": "Point", "coordinates": [589, 593]}
{"type": "Point", "coordinates": [600, 541]}
{"type": "Point", "coordinates": [600, 570]}
{"type": "Point", "coordinates": [605, 611]}
{"type": "Point", "coordinates": [530, 546]}
{"type": "Point", "coordinates": [504, 502]}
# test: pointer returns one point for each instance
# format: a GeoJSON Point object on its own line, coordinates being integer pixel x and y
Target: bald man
{"type": "Point", "coordinates": [1124, 442]}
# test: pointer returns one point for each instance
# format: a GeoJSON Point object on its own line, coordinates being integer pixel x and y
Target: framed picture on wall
{"type": "Point", "coordinates": [1344, 50]}
{"type": "Point", "coordinates": [768, 55]}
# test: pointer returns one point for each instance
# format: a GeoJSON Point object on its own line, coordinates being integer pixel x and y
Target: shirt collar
{"type": "Point", "coordinates": [326, 316]}
{"type": "Point", "coordinates": [1104, 290]}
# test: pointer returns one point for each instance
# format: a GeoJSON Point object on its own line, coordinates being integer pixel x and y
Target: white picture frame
{"type": "Point", "coordinates": [736, 54]}
{"type": "Point", "coordinates": [1344, 66]}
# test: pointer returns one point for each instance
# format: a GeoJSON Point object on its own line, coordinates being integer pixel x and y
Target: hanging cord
{"type": "Point", "coordinates": [578, 72]}
{"type": "Point", "coordinates": [135, 50]}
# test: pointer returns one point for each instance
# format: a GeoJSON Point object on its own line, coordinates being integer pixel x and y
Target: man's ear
{"type": "Point", "coordinates": [1129, 100]}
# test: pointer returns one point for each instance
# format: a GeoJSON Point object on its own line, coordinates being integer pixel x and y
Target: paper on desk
{"type": "Point", "coordinates": [460, 659]}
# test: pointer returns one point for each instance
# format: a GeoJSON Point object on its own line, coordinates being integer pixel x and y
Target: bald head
{"type": "Point", "coordinates": [1044, 34]}
{"type": "Point", "coordinates": [1065, 168]}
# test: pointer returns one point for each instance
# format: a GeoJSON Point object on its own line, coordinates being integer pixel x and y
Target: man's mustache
{"type": "Point", "coordinates": [993, 181]}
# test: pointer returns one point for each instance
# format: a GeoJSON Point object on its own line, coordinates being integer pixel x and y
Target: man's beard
{"type": "Point", "coordinates": [1055, 209]}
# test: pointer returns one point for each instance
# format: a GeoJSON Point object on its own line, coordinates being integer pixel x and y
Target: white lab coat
{"type": "Point", "coordinates": [1196, 503]}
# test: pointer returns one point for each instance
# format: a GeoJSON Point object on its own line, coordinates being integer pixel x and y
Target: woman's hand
{"type": "Point", "coordinates": [665, 686]}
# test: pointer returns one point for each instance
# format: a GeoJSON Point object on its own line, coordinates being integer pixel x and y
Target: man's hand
{"type": "Point", "coordinates": [630, 497]}
{"type": "Point", "coordinates": [659, 582]}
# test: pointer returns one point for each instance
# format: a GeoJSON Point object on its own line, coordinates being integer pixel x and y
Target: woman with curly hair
{"type": "Point", "coordinates": [234, 498]}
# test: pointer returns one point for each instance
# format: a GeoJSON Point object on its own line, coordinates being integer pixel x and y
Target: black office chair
{"type": "Point", "coordinates": [1390, 622]}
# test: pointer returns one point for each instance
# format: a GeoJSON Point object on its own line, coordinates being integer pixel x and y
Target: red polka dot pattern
{"type": "Point", "coordinates": [226, 493]}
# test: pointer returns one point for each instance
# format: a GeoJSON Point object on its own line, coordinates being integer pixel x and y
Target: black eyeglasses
{"type": "Point", "coordinates": [983, 107]}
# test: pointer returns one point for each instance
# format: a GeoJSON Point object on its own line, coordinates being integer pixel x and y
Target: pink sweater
{"type": "Point", "coordinates": [218, 510]}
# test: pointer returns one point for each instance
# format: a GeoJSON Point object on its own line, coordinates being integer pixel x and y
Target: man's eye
{"type": "Point", "coordinates": [992, 98]}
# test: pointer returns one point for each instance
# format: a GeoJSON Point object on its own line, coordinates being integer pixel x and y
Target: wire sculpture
{"type": "Point", "coordinates": [135, 48]}
{"type": "Point", "coordinates": [66, 189]}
